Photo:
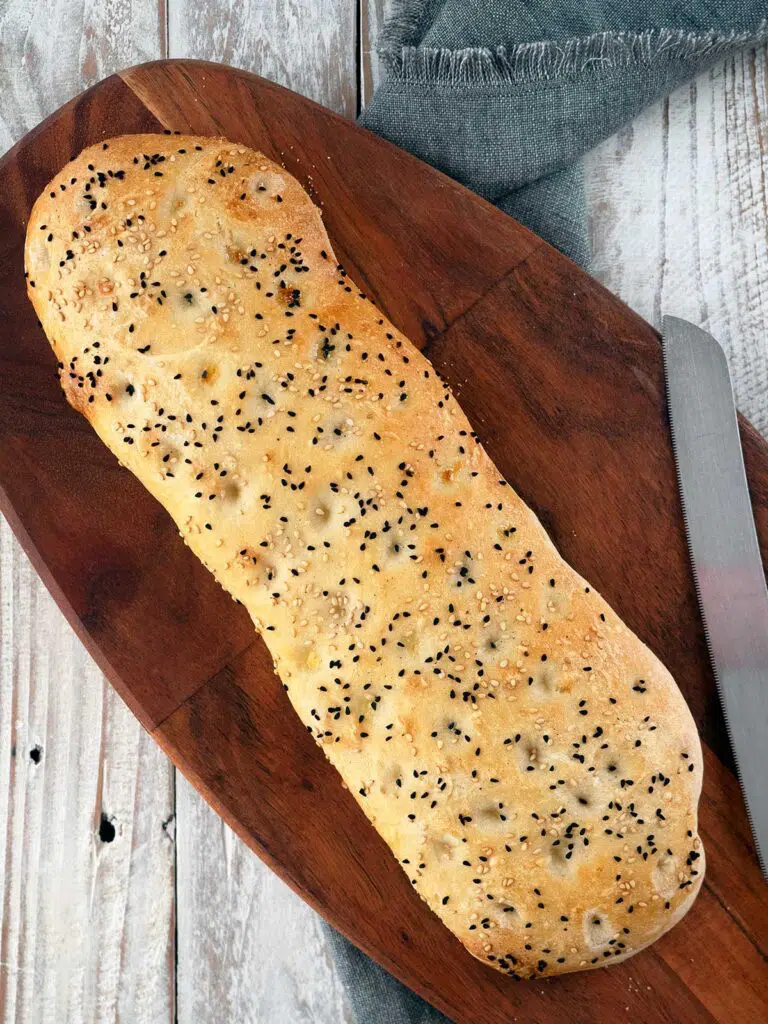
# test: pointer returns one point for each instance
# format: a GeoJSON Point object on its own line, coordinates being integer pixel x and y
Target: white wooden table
{"type": "Point", "coordinates": [174, 919]}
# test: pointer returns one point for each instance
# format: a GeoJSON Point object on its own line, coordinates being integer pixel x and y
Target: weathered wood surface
{"type": "Point", "coordinates": [86, 925]}
{"type": "Point", "coordinates": [685, 183]}
{"type": "Point", "coordinates": [679, 215]}
{"type": "Point", "coordinates": [309, 47]}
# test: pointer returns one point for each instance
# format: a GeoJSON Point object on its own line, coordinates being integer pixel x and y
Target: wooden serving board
{"type": "Point", "coordinates": [564, 385]}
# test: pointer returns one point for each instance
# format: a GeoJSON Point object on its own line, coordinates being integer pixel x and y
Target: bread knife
{"type": "Point", "coordinates": [727, 567]}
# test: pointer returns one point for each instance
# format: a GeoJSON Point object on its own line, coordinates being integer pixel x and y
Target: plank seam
{"type": "Point", "coordinates": [358, 57]}
{"type": "Point", "coordinates": [190, 696]}
{"type": "Point", "coordinates": [480, 298]}
{"type": "Point", "coordinates": [739, 924]}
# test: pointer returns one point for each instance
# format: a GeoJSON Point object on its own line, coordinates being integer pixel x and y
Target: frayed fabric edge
{"type": "Point", "coordinates": [403, 26]}
{"type": "Point", "coordinates": [550, 60]}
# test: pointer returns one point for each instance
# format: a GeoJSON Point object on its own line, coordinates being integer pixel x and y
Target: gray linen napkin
{"type": "Point", "coordinates": [506, 96]}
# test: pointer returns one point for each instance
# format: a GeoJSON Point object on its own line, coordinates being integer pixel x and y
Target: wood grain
{"type": "Point", "coordinates": [249, 948]}
{"type": "Point", "coordinates": [679, 207]}
{"type": "Point", "coordinates": [54, 50]}
{"type": "Point", "coordinates": [306, 46]}
{"type": "Point", "coordinates": [75, 907]}
{"type": "Point", "coordinates": [86, 926]}
{"type": "Point", "coordinates": [534, 335]}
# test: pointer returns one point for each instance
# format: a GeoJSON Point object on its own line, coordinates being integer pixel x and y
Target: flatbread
{"type": "Point", "coordinates": [530, 763]}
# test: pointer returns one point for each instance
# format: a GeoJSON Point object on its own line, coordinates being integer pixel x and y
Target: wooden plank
{"type": "Point", "coordinates": [679, 204]}
{"type": "Point", "coordinates": [248, 948]}
{"type": "Point", "coordinates": [307, 45]}
{"type": "Point", "coordinates": [86, 924]}
{"type": "Point", "coordinates": [52, 51]}
{"type": "Point", "coordinates": [373, 14]}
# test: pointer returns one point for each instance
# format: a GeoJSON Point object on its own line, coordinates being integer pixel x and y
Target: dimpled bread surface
{"type": "Point", "coordinates": [530, 763]}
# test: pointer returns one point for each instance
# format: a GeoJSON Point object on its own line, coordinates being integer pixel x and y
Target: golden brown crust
{"type": "Point", "coordinates": [531, 764]}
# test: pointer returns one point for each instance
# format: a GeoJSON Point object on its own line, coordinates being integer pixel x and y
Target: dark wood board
{"type": "Point", "coordinates": [564, 385]}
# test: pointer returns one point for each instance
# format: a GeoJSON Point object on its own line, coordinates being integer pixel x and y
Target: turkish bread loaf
{"type": "Point", "coordinates": [532, 766]}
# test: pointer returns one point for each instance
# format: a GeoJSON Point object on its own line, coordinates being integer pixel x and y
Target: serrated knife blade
{"type": "Point", "coordinates": [727, 567]}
